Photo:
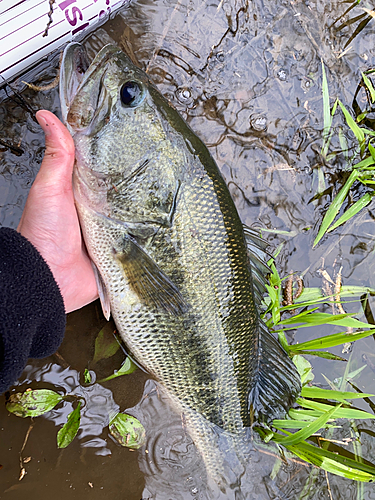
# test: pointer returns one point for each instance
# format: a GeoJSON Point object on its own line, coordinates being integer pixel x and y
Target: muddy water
{"type": "Point", "coordinates": [247, 78]}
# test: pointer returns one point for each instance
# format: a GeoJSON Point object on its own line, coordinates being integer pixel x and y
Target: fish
{"type": "Point", "coordinates": [180, 274]}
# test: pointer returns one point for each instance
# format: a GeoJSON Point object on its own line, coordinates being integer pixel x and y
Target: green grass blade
{"type": "Point", "coordinates": [357, 131]}
{"type": "Point", "coordinates": [316, 319]}
{"type": "Point", "coordinates": [352, 211]}
{"type": "Point", "coordinates": [331, 340]}
{"type": "Point", "coordinates": [318, 393]}
{"type": "Point", "coordinates": [369, 86]}
{"type": "Point", "coordinates": [296, 424]}
{"type": "Point", "coordinates": [311, 295]}
{"type": "Point", "coordinates": [307, 431]}
{"type": "Point", "coordinates": [341, 412]}
{"type": "Point", "coordinates": [335, 206]}
{"type": "Point", "coordinates": [372, 150]}
{"type": "Point", "coordinates": [334, 463]}
{"type": "Point", "coordinates": [319, 354]}
{"type": "Point", "coordinates": [327, 118]}
{"type": "Point", "coordinates": [307, 415]}
{"type": "Point", "coordinates": [366, 163]}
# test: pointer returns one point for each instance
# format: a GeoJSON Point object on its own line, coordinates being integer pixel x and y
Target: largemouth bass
{"type": "Point", "coordinates": [170, 252]}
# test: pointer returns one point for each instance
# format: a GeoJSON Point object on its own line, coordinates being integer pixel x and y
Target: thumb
{"type": "Point", "coordinates": [57, 165]}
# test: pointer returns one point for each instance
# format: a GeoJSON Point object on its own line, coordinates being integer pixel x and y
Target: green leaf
{"type": "Point", "coordinates": [327, 117]}
{"type": "Point", "coordinates": [319, 354]}
{"type": "Point", "coordinates": [352, 211]}
{"type": "Point", "coordinates": [318, 393]}
{"type": "Point", "coordinates": [341, 412]}
{"type": "Point", "coordinates": [33, 403]}
{"type": "Point", "coordinates": [128, 431]}
{"type": "Point", "coordinates": [357, 131]}
{"type": "Point", "coordinates": [331, 340]}
{"type": "Point", "coordinates": [369, 86]}
{"type": "Point", "coordinates": [335, 206]}
{"type": "Point", "coordinates": [335, 463]}
{"type": "Point", "coordinates": [312, 294]}
{"type": "Point", "coordinates": [350, 376]}
{"type": "Point", "coordinates": [366, 163]}
{"type": "Point", "coordinates": [372, 150]}
{"type": "Point", "coordinates": [69, 430]}
{"type": "Point", "coordinates": [297, 424]}
{"type": "Point", "coordinates": [106, 344]}
{"type": "Point", "coordinates": [307, 415]}
{"type": "Point", "coordinates": [315, 319]}
{"type": "Point", "coordinates": [127, 368]}
{"type": "Point", "coordinates": [304, 369]}
{"type": "Point", "coordinates": [310, 429]}
{"type": "Point", "coordinates": [282, 340]}
{"type": "Point", "coordinates": [87, 376]}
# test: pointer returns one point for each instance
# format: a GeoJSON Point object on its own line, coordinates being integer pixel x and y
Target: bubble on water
{"type": "Point", "coordinates": [258, 122]}
{"type": "Point", "coordinates": [220, 56]}
{"type": "Point", "coordinates": [282, 74]}
{"type": "Point", "coordinates": [184, 95]}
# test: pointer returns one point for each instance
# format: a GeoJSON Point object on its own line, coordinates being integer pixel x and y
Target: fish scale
{"type": "Point", "coordinates": [170, 254]}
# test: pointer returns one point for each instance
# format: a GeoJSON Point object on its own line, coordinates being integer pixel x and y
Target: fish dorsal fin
{"type": "Point", "coordinates": [103, 295]}
{"type": "Point", "coordinates": [146, 279]}
{"type": "Point", "coordinates": [258, 256]}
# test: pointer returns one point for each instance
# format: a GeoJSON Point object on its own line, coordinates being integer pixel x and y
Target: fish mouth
{"type": "Point", "coordinates": [80, 80]}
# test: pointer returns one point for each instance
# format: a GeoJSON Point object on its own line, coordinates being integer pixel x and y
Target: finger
{"type": "Point", "coordinates": [57, 165]}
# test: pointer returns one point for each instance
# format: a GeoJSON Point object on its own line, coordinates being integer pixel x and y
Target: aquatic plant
{"type": "Point", "coordinates": [319, 409]}
{"type": "Point", "coordinates": [361, 164]}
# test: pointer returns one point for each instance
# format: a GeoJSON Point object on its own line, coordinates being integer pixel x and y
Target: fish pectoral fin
{"type": "Point", "coordinates": [103, 295]}
{"type": "Point", "coordinates": [146, 279]}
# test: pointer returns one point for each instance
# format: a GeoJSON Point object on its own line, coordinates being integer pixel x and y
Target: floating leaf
{"type": "Point", "coordinates": [127, 368]}
{"type": "Point", "coordinates": [106, 344]}
{"type": "Point", "coordinates": [128, 431]}
{"type": "Point", "coordinates": [33, 403]}
{"type": "Point", "coordinates": [318, 393]}
{"type": "Point", "coordinates": [69, 430]}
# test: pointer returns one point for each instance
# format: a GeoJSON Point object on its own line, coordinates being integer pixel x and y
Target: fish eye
{"type": "Point", "coordinates": [131, 94]}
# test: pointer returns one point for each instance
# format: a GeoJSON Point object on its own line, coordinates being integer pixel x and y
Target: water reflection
{"type": "Point", "coordinates": [247, 78]}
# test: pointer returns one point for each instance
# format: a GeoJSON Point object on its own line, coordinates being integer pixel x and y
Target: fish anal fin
{"type": "Point", "coordinates": [103, 295]}
{"type": "Point", "coordinates": [146, 279]}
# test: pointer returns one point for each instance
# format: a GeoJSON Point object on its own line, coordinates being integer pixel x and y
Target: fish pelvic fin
{"type": "Point", "coordinates": [102, 291]}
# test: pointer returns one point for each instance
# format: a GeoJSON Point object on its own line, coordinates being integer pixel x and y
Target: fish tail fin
{"type": "Point", "coordinates": [276, 383]}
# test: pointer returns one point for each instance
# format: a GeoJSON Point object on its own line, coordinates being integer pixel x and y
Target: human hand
{"type": "Point", "coordinates": [50, 222]}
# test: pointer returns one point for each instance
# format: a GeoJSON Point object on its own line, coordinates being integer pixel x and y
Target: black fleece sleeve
{"type": "Point", "coordinates": [32, 314]}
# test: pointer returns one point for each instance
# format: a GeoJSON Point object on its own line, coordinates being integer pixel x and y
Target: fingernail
{"type": "Point", "coordinates": [43, 123]}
